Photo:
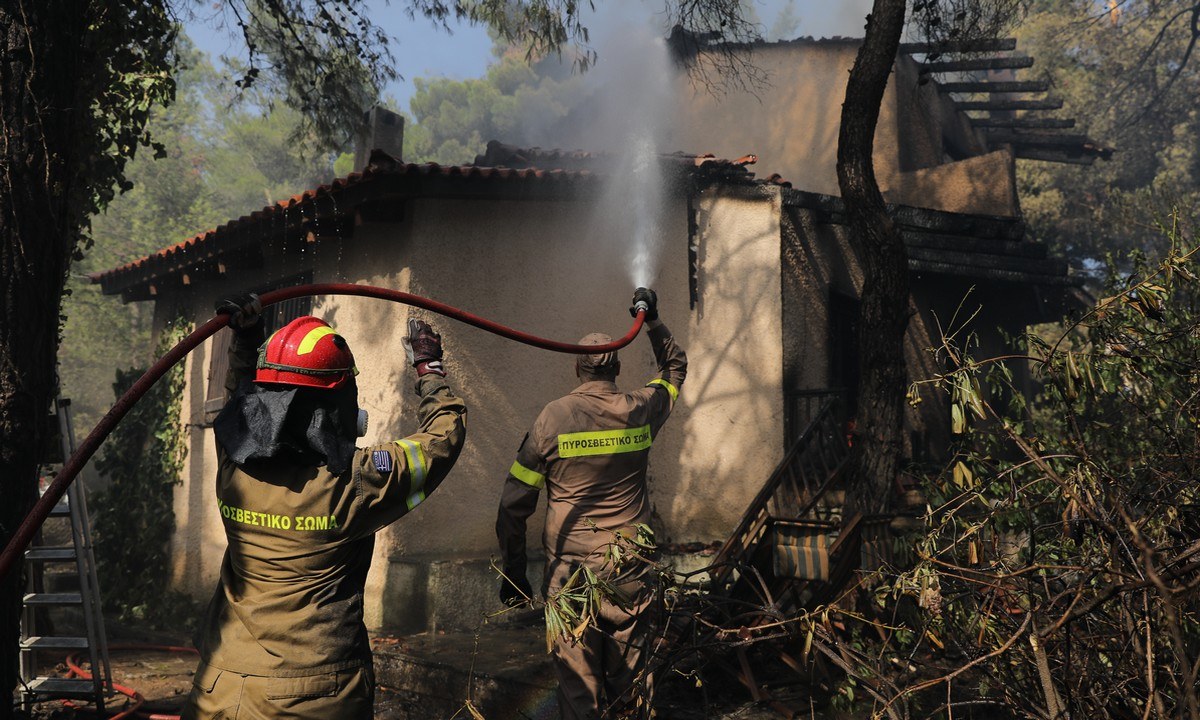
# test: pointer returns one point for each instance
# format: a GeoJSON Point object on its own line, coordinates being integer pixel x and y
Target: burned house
{"type": "Point", "coordinates": [756, 277]}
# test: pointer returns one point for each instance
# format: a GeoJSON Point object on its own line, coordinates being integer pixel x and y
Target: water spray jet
{"type": "Point", "coordinates": [71, 468]}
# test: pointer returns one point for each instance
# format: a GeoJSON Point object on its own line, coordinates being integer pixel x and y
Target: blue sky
{"type": "Point", "coordinates": [422, 50]}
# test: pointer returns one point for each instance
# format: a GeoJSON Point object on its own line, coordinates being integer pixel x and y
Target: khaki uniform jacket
{"type": "Point", "coordinates": [589, 450]}
{"type": "Point", "coordinates": [290, 600]}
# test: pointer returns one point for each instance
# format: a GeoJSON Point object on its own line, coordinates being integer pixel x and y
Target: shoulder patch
{"type": "Point", "coordinates": [383, 461]}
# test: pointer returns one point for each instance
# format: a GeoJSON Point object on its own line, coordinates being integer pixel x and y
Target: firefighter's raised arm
{"type": "Point", "coordinates": [246, 322]}
{"type": "Point", "coordinates": [396, 477]}
{"type": "Point", "coordinates": [672, 361]}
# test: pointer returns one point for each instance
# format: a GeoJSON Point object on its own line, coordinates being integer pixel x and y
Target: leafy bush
{"type": "Point", "coordinates": [134, 518]}
{"type": "Point", "coordinates": [1059, 570]}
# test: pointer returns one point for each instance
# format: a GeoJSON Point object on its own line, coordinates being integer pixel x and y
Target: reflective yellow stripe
{"type": "Point", "coordinates": [310, 340]}
{"type": "Point", "coordinates": [604, 442]}
{"type": "Point", "coordinates": [417, 470]}
{"type": "Point", "coordinates": [531, 478]}
{"type": "Point", "coordinates": [674, 392]}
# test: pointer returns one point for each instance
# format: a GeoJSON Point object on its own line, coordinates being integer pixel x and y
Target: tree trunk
{"type": "Point", "coordinates": [37, 237]}
{"type": "Point", "coordinates": [875, 460]}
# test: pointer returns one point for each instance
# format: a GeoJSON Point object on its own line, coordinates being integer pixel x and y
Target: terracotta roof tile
{"type": "Point", "coordinates": [380, 166]}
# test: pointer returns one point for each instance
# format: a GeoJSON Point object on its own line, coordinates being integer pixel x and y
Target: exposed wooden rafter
{"type": "Point", "coordinates": [1037, 139]}
{"type": "Point", "coordinates": [1004, 128]}
{"type": "Point", "coordinates": [993, 105]}
{"type": "Point", "coordinates": [1058, 155]}
{"type": "Point", "coordinates": [994, 63]}
{"type": "Point", "coordinates": [959, 46]}
{"type": "Point", "coordinates": [983, 86]}
{"type": "Point", "coordinates": [1026, 123]}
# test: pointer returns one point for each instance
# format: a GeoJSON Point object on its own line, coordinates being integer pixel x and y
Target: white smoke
{"type": "Point", "coordinates": [629, 108]}
{"type": "Point", "coordinates": [628, 112]}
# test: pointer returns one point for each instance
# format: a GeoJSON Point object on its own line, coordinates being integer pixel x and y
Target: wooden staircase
{"type": "Point", "coordinates": [792, 551]}
{"type": "Point", "coordinates": [801, 492]}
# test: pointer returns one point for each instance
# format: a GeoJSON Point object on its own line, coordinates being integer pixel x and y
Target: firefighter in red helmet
{"type": "Point", "coordinates": [284, 633]}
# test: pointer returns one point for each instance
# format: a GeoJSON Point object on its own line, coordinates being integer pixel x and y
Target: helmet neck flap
{"type": "Point", "coordinates": [290, 425]}
{"type": "Point", "coordinates": [302, 408]}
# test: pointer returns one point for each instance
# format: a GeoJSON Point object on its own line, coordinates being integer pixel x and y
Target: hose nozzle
{"type": "Point", "coordinates": [641, 306]}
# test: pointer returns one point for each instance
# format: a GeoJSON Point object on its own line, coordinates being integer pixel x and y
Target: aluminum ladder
{"type": "Point", "coordinates": [38, 603]}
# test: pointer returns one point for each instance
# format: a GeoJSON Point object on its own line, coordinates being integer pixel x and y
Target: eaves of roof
{"type": "Point", "coordinates": [331, 203]}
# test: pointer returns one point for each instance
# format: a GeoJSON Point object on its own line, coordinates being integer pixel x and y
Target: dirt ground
{"type": "Point", "coordinates": [164, 679]}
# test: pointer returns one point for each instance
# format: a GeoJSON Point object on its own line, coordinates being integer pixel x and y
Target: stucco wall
{"type": "Point", "coordinates": [983, 184]}
{"type": "Point", "coordinates": [791, 123]}
{"type": "Point", "coordinates": [551, 268]}
{"type": "Point", "coordinates": [199, 539]}
{"type": "Point", "coordinates": [733, 419]}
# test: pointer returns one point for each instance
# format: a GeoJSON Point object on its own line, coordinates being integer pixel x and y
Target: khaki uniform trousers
{"type": "Point", "coordinates": [596, 674]}
{"type": "Point", "coordinates": [224, 695]}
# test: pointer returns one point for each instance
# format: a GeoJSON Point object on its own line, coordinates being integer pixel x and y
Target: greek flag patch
{"type": "Point", "coordinates": [383, 461]}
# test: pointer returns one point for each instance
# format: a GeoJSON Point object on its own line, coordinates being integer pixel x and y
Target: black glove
{"type": "Point", "coordinates": [244, 310]}
{"type": "Point", "coordinates": [650, 298]}
{"type": "Point", "coordinates": [423, 347]}
{"type": "Point", "coordinates": [514, 587]}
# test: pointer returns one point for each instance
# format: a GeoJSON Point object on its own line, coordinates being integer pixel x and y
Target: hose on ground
{"type": "Point", "coordinates": [54, 492]}
{"type": "Point", "coordinates": [76, 670]}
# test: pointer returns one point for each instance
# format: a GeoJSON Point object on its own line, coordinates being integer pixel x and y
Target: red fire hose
{"type": "Point", "coordinates": [135, 709]}
{"type": "Point", "coordinates": [54, 492]}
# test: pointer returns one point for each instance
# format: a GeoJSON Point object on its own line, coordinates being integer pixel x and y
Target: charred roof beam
{"type": "Point", "coordinates": [1070, 156]}
{"type": "Point", "coordinates": [1025, 123]}
{"type": "Point", "coordinates": [1013, 62]}
{"type": "Point", "coordinates": [1076, 149]}
{"type": "Point", "coordinates": [1047, 104]}
{"type": "Point", "coordinates": [1035, 139]}
{"type": "Point", "coordinates": [984, 86]}
{"type": "Point", "coordinates": [959, 46]}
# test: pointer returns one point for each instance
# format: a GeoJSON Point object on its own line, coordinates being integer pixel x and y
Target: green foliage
{"type": "Point", "coordinates": [132, 44]}
{"type": "Point", "coordinates": [327, 59]}
{"type": "Point", "coordinates": [1126, 76]}
{"type": "Point", "coordinates": [134, 519]}
{"type": "Point", "coordinates": [573, 608]}
{"type": "Point", "coordinates": [528, 99]}
{"type": "Point", "coordinates": [332, 59]}
{"type": "Point", "coordinates": [215, 166]}
{"type": "Point", "coordinates": [965, 20]}
{"type": "Point", "coordinates": [1059, 564]}
{"type": "Point", "coordinates": [536, 27]}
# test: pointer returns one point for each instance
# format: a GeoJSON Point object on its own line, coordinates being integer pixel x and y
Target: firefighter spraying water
{"type": "Point", "coordinates": [590, 451]}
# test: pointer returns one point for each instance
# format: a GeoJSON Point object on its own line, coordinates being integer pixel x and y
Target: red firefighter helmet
{"type": "Point", "coordinates": [305, 352]}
